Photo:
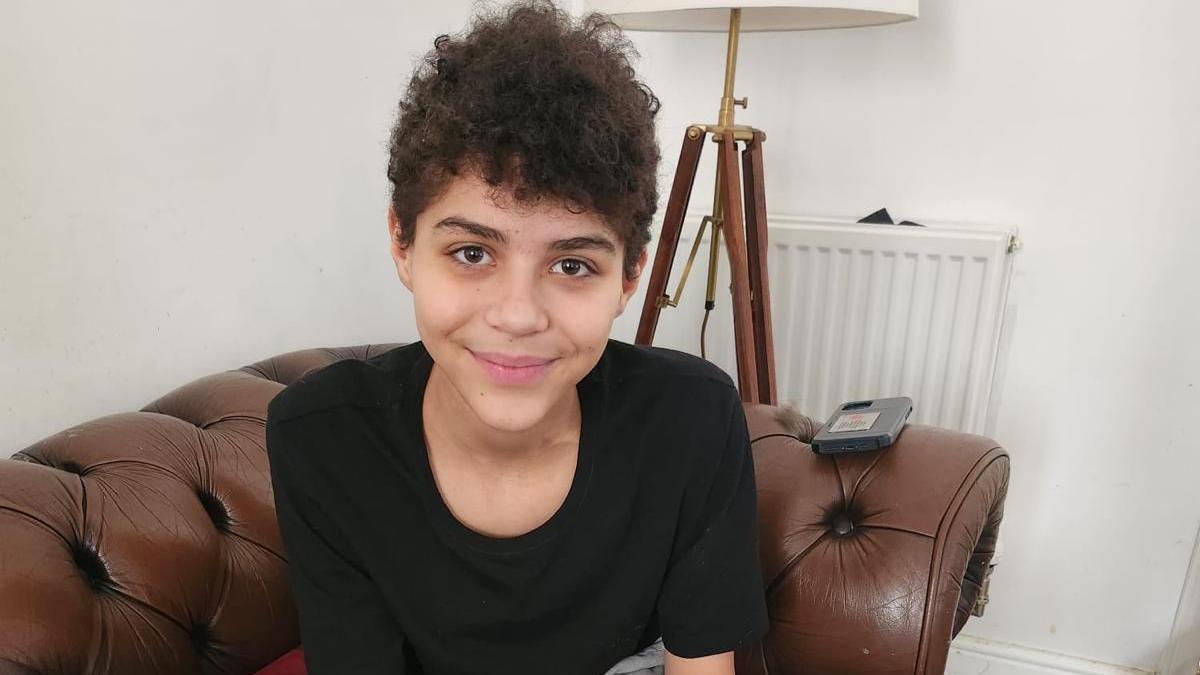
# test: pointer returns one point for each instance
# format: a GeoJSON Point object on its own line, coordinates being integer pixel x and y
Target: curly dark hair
{"type": "Point", "coordinates": [538, 103]}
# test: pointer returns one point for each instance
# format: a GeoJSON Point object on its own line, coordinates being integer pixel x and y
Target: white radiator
{"type": "Point", "coordinates": [868, 311]}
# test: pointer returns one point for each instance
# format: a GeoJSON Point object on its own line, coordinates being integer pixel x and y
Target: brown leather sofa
{"type": "Point", "coordinates": [145, 542]}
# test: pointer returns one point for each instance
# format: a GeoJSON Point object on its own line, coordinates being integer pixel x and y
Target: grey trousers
{"type": "Point", "coordinates": [649, 661]}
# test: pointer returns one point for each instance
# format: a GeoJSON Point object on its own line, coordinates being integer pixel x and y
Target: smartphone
{"type": "Point", "coordinates": [861, 426]}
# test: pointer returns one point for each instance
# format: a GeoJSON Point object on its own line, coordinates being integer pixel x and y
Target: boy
{"type": "Point", "coordinates": [516, 492]}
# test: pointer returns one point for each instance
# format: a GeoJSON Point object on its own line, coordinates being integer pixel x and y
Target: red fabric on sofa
{"type": "Point", "coordinates": [291, 663]}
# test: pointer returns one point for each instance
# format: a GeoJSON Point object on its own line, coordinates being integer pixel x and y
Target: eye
{"type": "Point", "coordinates": [470, 256]}
{"type": "Point", "coordinates": [574, 267]}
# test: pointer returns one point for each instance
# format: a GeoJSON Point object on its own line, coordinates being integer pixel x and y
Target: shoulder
{"type": "Point", "coordinates": [630, 364]}
{"type": "Point", "coordinates": [371, 382]}
{"type": "Point", "coordinates": [691, 399]}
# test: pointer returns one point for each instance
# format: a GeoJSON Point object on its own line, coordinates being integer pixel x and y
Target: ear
{"type": "Point", "coordinates": [401, 255]}
{"type": "Point", "coordinates": [629, 286]}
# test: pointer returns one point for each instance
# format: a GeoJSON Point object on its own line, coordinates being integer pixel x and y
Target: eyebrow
{"type": "Point", "coordinates": [480, 230]}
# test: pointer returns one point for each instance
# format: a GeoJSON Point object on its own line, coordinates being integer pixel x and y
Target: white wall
{"type": "Point", "coordinates": [190, 187]}
{"type": "Point", "coordinates": [187, 188]}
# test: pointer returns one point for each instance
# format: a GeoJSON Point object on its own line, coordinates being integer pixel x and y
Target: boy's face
{"type": "Point", "coordinates": [514, 304]}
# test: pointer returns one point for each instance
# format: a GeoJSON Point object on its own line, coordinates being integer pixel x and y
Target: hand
{"type": "Point", "coordinates": [716, 664]}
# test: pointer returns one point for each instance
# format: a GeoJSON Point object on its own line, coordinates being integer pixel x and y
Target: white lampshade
{"type": "Point", "coordinates": [757, 15]}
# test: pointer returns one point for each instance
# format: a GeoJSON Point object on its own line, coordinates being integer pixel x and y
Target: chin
{"type": "Point", "coordinates": [510, 413]}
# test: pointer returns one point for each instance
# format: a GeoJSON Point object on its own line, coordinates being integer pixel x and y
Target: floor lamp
{"type": "Point", "coordinates": [744, 229]}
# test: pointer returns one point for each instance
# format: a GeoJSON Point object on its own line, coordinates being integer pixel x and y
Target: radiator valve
{"type": "Point", "coordinates": [981, 600]}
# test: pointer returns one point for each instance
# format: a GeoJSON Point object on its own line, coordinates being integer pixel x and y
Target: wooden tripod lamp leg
{"type": "Point", "coordinates": [668, 241]}
{"type": "Point", "coordinates": [756, 247]}
{"type": "Point", "coordinates": [735, 245]}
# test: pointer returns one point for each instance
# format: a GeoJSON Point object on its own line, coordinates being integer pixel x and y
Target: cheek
{"type": "Point", "coordinates": [587, 316]}
{"type": "Point", "coordinates": [443, 301]}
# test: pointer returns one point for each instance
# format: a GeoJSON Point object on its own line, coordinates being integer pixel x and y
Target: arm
{"type": "Point", "coordinates": [717, 664]}
{"type": "Point", "coordinates": [344, 627]}
{"type": "Point", "coordinates": [712, 601]}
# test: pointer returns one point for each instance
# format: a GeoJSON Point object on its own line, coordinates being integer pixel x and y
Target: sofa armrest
{"type": "Point", "coordinates": [11, 668]}
{"type": "Point", "coordinates": [872, 561]}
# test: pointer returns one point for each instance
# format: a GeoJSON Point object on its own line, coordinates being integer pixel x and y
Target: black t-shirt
{"type": "Point", "coordinates": [657, 535]}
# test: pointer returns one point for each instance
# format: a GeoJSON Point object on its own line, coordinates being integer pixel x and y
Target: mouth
{"type": "Point", "coordinates": [506, 369]}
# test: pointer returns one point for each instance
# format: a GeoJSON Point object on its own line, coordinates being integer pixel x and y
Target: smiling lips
{"type": "Point", "coordinates": [512, 370]}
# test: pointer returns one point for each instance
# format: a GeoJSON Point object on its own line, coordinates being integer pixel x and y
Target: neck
{"type": "Point", "coordinates": [453, 425]}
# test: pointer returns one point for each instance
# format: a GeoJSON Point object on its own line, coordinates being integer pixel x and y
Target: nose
{"type": "Point", "coordinates": [518, 308]}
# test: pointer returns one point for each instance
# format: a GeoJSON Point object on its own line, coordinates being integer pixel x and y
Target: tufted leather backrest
{"type": "Point", "coordinates": [146, 542]}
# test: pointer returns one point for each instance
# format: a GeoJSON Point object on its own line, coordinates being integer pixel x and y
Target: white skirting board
{"type": "Point", "coordinates": [971, 655]}
{"type": "Point", "coordinates": [1182, 654]}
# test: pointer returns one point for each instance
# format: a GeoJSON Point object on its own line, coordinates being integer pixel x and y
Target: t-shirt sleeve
{"type": "Point", "coordinates": [712, 600]}
{"type": "Point", "coordinates": [344, 627]}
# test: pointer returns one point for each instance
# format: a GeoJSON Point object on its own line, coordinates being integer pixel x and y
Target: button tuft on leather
{"type": "Point", "coordinates": [842, 524]}
{"type": "Point", "coordinates": [216, 510]}
{"type": "Point", "coordinates": [202, 637]}
{"type": "Point", "coordinates": [88, 560]}
{"type": "Point", "coordinates": [71, 466]}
